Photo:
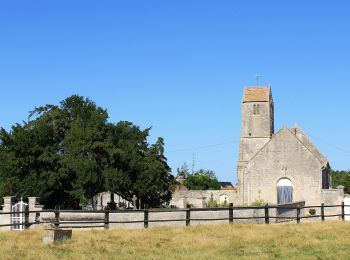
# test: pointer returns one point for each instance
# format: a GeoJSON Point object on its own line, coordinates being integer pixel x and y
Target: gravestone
{"type": "Point", "coordinates": [56, 235]}
{"type": "Point", "coordinates": [134, 199]}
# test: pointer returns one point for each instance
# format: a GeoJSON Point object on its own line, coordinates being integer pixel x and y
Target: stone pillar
{"type": "Point", "coordinates": [33, 205]}
{"type": "Point", "coordinates": [340, 189]}
{"type": "Point", "coordinates": [182, 203]}
{"type": "Point", "coordinates": [341, 194]}
{"type": "Point", "coordinates": [204, 202]}
{"type": "Point", "coordinates": [7, 207]}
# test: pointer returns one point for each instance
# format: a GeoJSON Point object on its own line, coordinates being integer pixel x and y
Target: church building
{"type": "Point", "coordinates": [282, 167]}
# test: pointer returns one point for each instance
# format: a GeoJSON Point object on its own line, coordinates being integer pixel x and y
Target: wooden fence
{"type": "Point", "coordinates": [104, 221]}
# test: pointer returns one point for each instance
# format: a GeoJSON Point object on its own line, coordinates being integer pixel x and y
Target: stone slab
{"type": "Point", "coordinates": [55, 235]}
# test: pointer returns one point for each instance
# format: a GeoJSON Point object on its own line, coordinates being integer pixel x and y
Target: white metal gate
{"type": "Point", "coordinates": [18, 215]}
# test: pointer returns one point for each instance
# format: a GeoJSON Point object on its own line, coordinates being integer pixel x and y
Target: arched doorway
{"type": "Point", "coordinates": [284, 191]}
{"type": "Point", "coordinates": [223, 199]}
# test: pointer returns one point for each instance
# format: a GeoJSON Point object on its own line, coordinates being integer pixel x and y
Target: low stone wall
{"type": "Point", "coordinates": [175, 216]}
{"type": "Point", "coordinates": [125, 217]}
{"type": "Point", "coordinates": [200, 198]}
{"type": "Point", "coordinates": [156, 219]}
{"type": "Point", "coordinates": [170, 217]}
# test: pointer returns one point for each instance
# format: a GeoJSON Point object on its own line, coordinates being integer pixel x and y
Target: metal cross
{"type": "Point", "coordinates": [257, 79]}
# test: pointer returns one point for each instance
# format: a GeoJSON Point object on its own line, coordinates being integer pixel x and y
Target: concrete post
{"type": "Point", "coordinates": [33, 205]}
{"type": "Point", "coordinates": [182, 203]}
{"type": "Point", "coordinates": [204, 203]}
{"type": "Point", "coordinates": [341, 196]}
{"type": "Point", "coordinates": [7, 207]}
{"type": "Point", "coordinates": [340, 189]}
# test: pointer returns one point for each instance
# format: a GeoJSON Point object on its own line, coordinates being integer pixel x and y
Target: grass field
{"type": "Point", "coordinates": [307, 241]}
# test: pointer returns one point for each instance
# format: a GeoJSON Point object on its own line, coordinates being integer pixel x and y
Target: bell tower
{"type": "Point", "coordinates": [257, 120]}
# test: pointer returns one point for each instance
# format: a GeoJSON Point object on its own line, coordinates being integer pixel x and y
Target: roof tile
{"type": "Point", "coordinates": [256, 94]}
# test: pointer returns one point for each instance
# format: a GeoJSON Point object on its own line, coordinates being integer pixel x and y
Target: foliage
{"type": "Point", "coordinates": [183, 172]}
{"type": "Point", "coordinates": [212, 203]}
{"type": "Point", "coordinates": [66, 154]}
{"type": "Point", "coordinates": [202, 180]}
{"type": "Point", "coordinates": [340, 178]}
{"type": "Point", "coordinates": [258, 203]}
{"type": "Point", "coordinates": [312, 212]}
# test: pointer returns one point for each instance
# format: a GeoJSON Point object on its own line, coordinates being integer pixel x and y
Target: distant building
{"type": "Point", "coordinates": [226, 185]}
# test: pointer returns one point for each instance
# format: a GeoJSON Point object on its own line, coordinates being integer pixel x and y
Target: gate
{"type": "Point", "coordinates": [18, 215]}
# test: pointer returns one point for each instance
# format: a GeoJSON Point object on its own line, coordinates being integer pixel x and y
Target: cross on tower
{"type": "Point", "coordinates": [257, 79]}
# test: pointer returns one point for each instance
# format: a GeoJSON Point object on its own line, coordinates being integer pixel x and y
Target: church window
{"type": "Point", "coordinates": [284, 191]}
{"type": "Point", "coordinates": [256, 109]}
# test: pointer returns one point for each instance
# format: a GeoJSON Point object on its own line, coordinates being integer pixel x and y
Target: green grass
{"type": "Point", "coordinates": [329, 240]}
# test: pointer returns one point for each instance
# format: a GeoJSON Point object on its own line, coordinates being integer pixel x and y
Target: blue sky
{"type": "Point", "coordinates": [180, 67]}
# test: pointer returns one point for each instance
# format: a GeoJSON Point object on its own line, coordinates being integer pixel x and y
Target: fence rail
{"type": "Point", "coordinates": [59, 221]}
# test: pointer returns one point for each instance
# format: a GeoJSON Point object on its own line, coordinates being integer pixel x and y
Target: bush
{"type": "Point", "coordinates": [258, 203]}
{"type": "Point", "coordinates": [312, 212]}
{"type": "Point", "coordinates": [212, 203]}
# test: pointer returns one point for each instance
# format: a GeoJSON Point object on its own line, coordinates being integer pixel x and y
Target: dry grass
{"type": "Point", "coordinates": [307, 241]}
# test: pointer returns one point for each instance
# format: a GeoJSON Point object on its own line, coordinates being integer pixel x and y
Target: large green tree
{"type": "Point", "coordinates": [66, 154]}
{"type": "Point", "coordinates": [202, 180]}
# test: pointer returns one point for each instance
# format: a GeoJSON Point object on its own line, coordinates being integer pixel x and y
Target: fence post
{"type": "Point", "coordinates": [106, 225]}
{"type": "Point", "coordinates": [267, 217]}
{"type": "Point", "coordinates": [26, 217]}
{"type": "Point", "coordinates": [146, 211]}
{"type": "Point", "coordinates": [343, 211]}
{"type": "Point", "coordinates": [322, 212]}
{"type": "Point", "coordinates": [57, 217]}
{"type": "Point", "coordinates": [188, 217]}
{"type": "Point", "coordinates": [230, 213]}
{"type": "Point", "coordinates": [298, 215]}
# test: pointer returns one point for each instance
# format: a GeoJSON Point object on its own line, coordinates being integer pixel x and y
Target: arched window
{"type": "Point", "coordinates": [284, 191]}
{"type": "Point", "coordinates": [256, 109]}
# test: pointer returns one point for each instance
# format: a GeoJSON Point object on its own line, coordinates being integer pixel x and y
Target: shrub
{"type": "Point", "coordinates": [258, 203]}
{"type": "Point", "coordinates": [212, 203]}
{"type": "Point", "coordinates": [312, 212]}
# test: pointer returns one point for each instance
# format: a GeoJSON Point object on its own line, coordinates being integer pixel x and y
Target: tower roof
{"type": "Point", "coordinates": [257, 94]}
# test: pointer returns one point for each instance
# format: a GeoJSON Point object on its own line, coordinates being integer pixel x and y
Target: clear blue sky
{"type": "Point", "coordinates": [180, 66]}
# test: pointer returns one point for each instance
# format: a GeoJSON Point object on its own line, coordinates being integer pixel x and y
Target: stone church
{"type": "Point", "coordinates": [282, 167]}
{"type": "Point", "coordinates": [275, 168]}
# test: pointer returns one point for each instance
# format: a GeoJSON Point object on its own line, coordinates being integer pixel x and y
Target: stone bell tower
{"type": "Point", "coordinates": [257, 130]}
{"type": "Point", "coordinates": [257, 121]}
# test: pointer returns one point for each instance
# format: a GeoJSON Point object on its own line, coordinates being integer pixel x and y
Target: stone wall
{"type": "Point", "coordinates": [199, 199]}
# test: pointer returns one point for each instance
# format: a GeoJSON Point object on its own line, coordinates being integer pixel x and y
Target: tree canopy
{"type": "Point", "coordinates": [202, 180]}
{"type": "Point", "coordinates": [340, 178]}
{"type": "Point", "coordinates": [183, 172]}
{"type": "Point", "coordinates": [66, 154]}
